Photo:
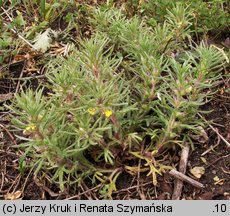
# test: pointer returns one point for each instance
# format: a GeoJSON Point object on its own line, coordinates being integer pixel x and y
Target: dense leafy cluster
{"type": "Point", "coordinates": [207, 15]}
{"type": "Point", "coordinates": [129, 93]}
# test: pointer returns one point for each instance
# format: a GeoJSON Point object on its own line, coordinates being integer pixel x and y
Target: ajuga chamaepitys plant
{"type": "Point", "coordinates": [128, 93]}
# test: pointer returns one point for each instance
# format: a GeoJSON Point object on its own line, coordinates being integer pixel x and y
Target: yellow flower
{"type": "Point", "coordinates": [107, 113]}
{"type": "Point", "coordinates": [92, 111]}
{"type": "Point", "coordinates": [29, 129]}
{"type": "Point", "coordinates": [189, 89]}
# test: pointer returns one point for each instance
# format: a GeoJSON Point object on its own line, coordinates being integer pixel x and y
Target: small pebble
{"type": "Point", "coordinates": [214, 172]}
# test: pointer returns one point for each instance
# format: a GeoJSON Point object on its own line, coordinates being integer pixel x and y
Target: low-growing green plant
{"type": "Point", "coordinates": [123, 96]}
{"type": "Point", "coordinates": [7, 40]}
{"type": "Point", "coordinates": [85, 114]}
{"type": "Point", "coordinates": [23, 21]}
{"type": "Point", "coordinates": [208, 16]}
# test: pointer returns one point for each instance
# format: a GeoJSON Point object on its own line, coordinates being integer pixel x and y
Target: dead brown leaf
{"type": "Point", "coordinates": [197, 171]}
{"type": "Point", "coordinates": [13, 196]}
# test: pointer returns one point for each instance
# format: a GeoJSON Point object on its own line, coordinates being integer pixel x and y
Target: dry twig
{"type": "Point", "coordinates": [211, 147]}
{"type": "Point", "coordinates": [9, 134]}
{"type": "Point", "coordinates": [185, 178]}
{"type": "Point", "coordinates": [182, 168]}
{"type": "Point", "coordinates": [83, 193]}
{"type": "Point", "coordinates": [15, 31]}
{"type": "Point", "coordinates": [216, 131]}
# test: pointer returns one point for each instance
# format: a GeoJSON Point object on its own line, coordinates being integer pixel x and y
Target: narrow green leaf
{"type": "Point", "coordinates": [43, 7]}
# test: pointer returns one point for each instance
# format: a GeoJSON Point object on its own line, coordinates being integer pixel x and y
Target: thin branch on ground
{"type": "Point", "coordinates": [83, 193]}
{"type": "Point", "coordinates": [16, 32]}
{"type": "Point", "coordinates": [185, 178]}
{"type": "Point", "coordinates": [182, 168]}
{"type": "Point", "coordinates": [18, 84]}
{"type": "Point", "coordinates": [9, 134]}
{"type": "Point", "coordinates": [216, 131]}
{"type": "Point", "coordinates": [215, 161]}
{"type": "Point", "coordinates": [211, 147]}
{"type": "Point", "coordinates": [132, 187]}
